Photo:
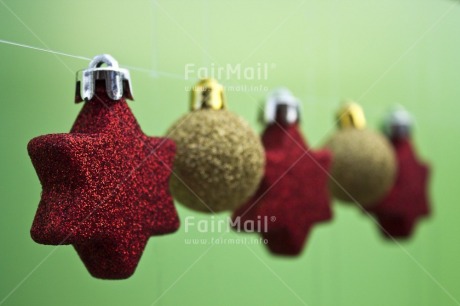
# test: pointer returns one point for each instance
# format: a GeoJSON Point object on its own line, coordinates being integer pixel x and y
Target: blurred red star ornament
{"type": "Point", "coordinates": [105, 184]}
{"type": "Point", "coordinates": [408, 200]}
{"type": "Point", "coordinates": [293, 195]}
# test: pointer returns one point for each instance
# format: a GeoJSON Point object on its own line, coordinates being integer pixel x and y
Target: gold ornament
{"type": "Point", "coordinates": [220, 160]}
{"type": "Point", "coordinates": [364, 165]}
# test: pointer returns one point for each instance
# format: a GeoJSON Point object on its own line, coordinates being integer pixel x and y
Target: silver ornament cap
{"type": "Point", "coordinates": [398, 123]}
{"type": "Point", "coordinates": [282, 106]}
{"type": "Point", "coordinates": [117, 80]}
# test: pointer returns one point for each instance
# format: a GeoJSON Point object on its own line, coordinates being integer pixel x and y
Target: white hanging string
{"type": "Point", "coordinates": [156, 73]}
{"type": "Point", "coordinates": [154, 40]}
{"type": "Point", "coordinates": [333, 47]}
{"type": "Point", "coordinates": [153, 73]}
{"type": "Point", "coordinates": [158, 284]}
{"type": "Point", "coordinates": [43, 50]}
{"type": "Point", "coordinates": [206, 60]}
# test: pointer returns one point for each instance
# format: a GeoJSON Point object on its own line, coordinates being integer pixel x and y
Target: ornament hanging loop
{"type": "Point", "coordinates": [282, 107]}
{"type": "Point", "coordinates": [351, 115]}
{"type": "Point", "coordinates": [102, 59]}
{"type": "Point", "coordinates": [117, 80]}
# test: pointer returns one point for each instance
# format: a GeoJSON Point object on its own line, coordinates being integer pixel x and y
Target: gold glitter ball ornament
{"type": "Point", "coordinates": [364, 164]}
{"type": "Point", "coordinates": [220, 160]}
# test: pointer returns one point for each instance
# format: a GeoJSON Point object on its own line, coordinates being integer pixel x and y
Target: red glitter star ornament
{"type": "Point", "coordinates": [293, 195]}
{"type": "Point", "coordinates": [105, 184]}
{"type": "Point", "coordinates": [408, 199]}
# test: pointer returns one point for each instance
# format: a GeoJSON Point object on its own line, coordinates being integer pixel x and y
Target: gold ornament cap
{"type": "Point", "coordinates": [351, 115]}
{"type": "Point", "coordinates": [207, 94]}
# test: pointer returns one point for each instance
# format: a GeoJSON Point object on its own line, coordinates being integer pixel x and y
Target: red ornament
{"type": "Point", "coordinates": [293, 195]}
{"type": "Point", "coordinates": [105, 187]}
{"type": "Point", "coordinates": [407, 201]}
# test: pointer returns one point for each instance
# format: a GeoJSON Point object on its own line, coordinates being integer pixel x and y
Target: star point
{"type": "Point", "coordinates": [105, 188]}
{"type": "Point", "coordinates": [407, 201]}
{"type": "Point", "coordinates": [293, 190]}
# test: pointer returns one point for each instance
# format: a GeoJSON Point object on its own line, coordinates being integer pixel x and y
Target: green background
{"type": "Point", "coordinates": [378, 52]}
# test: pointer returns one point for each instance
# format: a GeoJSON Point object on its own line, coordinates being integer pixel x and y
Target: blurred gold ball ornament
{"type": "Point", "coordinates": [364, 164]}
{"type": "Point", "coordinates": [220, 160]}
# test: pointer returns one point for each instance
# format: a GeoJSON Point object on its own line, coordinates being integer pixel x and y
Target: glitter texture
{"type": "Point", "coordinates": [219, 161]}
{"type": "Point", "coordinates": [293, 194]}
{"type": "Point", "coordinates": [408, 200]}
{"type": "Point", "coordinates": [364, 166]}
{"type": "Point", "coordinates": [105, 187]}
